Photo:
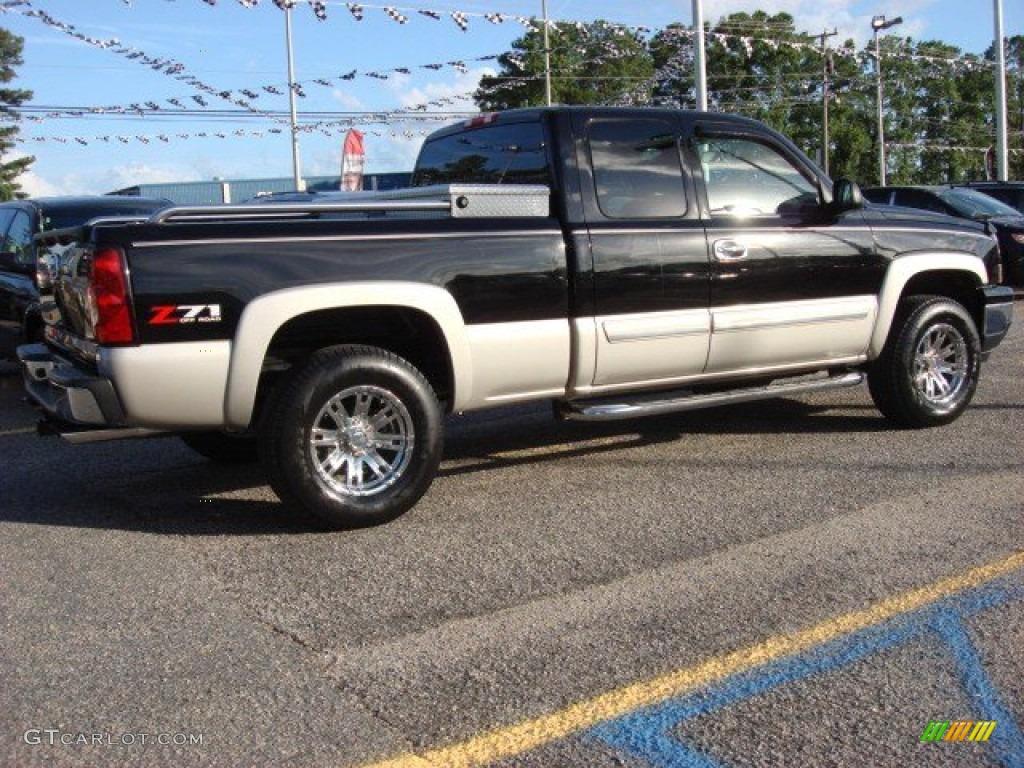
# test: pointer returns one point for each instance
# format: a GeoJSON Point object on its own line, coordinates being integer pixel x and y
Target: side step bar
{"type": "Point", "coordinates": [605, 411]}
{"type": "Point", "coordinates": [80, 435]}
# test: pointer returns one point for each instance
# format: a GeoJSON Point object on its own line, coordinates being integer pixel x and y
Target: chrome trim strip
{"type": "Point", "coordinates": [656, 326]}
{"type": "Point", "coordinates": [344, 238]}
{"type": "Point", "coordinates": [786, 314]}
{"type": "Point", "coordinates": [752, 325]}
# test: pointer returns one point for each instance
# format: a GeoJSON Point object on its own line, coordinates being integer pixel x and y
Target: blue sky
{"type": "Point", "coordinates": [231, 47]}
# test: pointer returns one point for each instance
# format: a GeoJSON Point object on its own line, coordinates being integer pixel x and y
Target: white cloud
{"type": "Point", "coordinates": [462, 84]}
{"type": "Point", "coordinates": [347, 100]}
{"type": "Point", "coordinates": [851, 18]}
{"type": "Point", "coordinates": [34, 185]}
{"type": "Point", "coordinates": [101, 180]}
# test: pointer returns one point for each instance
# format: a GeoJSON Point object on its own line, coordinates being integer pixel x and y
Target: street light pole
{"type": "Point", "coordinates": [1002, 143]}
{"type": "Point", "coordinates": [547, 55]}
{"type": "Point", "coordinates": [879, 23]}
{"type": "Point", "coordinates": [296, 170]}
{"type": "Point", "coordinates": [699, 56]}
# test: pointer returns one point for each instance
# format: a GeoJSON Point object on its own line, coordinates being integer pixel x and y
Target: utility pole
{"type": "Point", "coordinates": [825, 35]}
{"type": "Point", "coordinates": [699, 57]}
{"type": "Point", "coordinates": [1002, 143]}
{"type": "Point", "coordinates": [296, 170]}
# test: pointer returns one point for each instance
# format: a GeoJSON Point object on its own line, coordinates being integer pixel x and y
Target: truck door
{"type": "Point", "coordinates": [649, 320]}
{"type": "Point", "coordinates": [791, 283]}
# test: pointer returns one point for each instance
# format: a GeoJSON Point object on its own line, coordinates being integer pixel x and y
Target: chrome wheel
{"type": "Point", "coordinates": [940, 364]}
{"type": "Point", "coordinates": [361, 442]}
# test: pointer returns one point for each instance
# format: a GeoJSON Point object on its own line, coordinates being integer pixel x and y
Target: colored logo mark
{"type": "Point", "coordinates": [958, 730]}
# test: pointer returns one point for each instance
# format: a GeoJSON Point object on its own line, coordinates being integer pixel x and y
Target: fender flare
{"type": "Point", "coordinates": [902, 270]}
{"type": "Point", "coordinates": [265, 315]}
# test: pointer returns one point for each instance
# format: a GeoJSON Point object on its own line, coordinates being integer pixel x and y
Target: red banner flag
{"type": "Point", "coordinates": [352, 159]}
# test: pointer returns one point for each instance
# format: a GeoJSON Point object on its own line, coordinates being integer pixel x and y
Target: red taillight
{"type": "Point", "coordinates": [109, 288]}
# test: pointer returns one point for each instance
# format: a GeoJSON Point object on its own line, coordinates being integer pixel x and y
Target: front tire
{"type": "Point", "coordinates": [355, 437]}
{"type": "Point", "coordinates": [928, 371]}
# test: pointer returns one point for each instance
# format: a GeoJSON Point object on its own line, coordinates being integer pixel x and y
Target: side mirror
{"type": "Point", "coordinates": [846, 196]}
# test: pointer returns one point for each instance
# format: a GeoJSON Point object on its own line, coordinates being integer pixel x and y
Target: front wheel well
{"type": "Point", "coordinates": [409, 333]}
{"type": "Point", "coordinates": [961, 287]}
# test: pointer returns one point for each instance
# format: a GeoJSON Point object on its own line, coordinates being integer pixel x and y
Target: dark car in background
{"type": "Point", "coordinates": [20, 222]}
{"type": "Point", "coordinates": [966, 203]}
{"type": "Point", "coordinates": [1009, 192]}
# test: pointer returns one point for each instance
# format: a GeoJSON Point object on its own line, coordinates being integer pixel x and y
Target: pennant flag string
{"type": "Point", "coordinates": [164, 66]}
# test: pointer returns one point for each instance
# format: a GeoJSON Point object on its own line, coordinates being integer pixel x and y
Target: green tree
{"type": "Point", "coordinates": [592, 63]}
{"type": "Point", "coordinates": [11, 47]}
{"type": "Point", "coordinates": [852, 150]}
{"type": "Point", "coordinates": [759, 65]}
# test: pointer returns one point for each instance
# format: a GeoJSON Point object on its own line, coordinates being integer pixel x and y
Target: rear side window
{"type": "Point", "coordinates": [497, 154]}
{"type": "Point", "coordinates": [637, 170]}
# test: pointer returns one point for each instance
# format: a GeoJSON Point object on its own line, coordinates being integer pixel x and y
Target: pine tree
{"type": "Point", "coordinates": [10, 57]}
{"type": "Point", "coordinates": [595, 63]}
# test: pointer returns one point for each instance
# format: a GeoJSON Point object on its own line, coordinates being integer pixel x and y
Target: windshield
{"type": "Point", "coordinates": [973, 204]}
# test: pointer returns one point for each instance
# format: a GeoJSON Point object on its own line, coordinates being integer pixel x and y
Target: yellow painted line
{"type": "Point", "coordinates": [523, 737]}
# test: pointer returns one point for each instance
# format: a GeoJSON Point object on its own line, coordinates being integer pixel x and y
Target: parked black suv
{"type": "Point", "coordinates": [966, 203]}
{"type": "Point", "coordinates": [1009, 192]}
{"type": "Point", "coordinates": [20, 221]}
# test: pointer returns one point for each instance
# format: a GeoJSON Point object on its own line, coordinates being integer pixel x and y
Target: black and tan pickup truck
{"type": "Point", "coordinates": [619, 262]}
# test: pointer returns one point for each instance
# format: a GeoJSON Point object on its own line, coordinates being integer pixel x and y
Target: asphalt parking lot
{"type": "Point", "coordinates": [783, 583]}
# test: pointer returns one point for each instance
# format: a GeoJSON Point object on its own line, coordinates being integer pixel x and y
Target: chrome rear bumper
{"type": "Point", "coordinates": [66, 392]}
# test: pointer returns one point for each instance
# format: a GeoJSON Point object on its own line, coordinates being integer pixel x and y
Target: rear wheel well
{"type": "Point", "coordinates": [408, 333]}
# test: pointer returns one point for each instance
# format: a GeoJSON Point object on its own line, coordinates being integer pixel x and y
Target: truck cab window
{"type": "Point", "coordinates": [745, 177]}
{"type": "Point", "coordinates": [637, 171]}
{"type": "Point", "coordinates": [498, 154]}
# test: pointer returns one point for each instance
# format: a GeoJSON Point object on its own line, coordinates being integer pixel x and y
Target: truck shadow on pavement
{"type": "Point", "coordinates": [159, 486]}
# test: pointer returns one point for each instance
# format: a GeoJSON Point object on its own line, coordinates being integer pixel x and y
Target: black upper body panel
{"type": "Point", "coordinates": [644, 201]}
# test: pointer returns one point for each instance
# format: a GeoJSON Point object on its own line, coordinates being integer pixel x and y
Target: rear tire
{"type": "Point", "coordinates": [355, 437]}
{"type": "Point", "coordinates": [928, 371]}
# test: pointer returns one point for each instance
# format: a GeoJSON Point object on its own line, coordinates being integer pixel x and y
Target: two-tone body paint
{"type": "Point", "coordinates": [572, 305]}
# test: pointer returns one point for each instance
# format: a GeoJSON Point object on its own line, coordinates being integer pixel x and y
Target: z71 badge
{"type": "Point", "coordinates": [183, 314]}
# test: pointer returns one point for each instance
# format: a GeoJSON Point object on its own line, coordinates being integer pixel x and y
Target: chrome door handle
{"type": "Point", "coordinates": [729, 250]}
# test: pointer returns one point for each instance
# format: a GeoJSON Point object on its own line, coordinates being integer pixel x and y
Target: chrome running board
{"type": "Point", "coordinates": [605, 411]}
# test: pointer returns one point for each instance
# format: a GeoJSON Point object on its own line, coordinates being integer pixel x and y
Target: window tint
{"type": "Point", "coordinates": [6, 216]}
{"type": "Point", "coordinates": [747, 178]}
{"type": "Point", "coordinates": [917, 198]}
{"type": "Point", "coordinates": [969, 203]}
{"type": "Point", "coordinates": [636, 169]}
{"type": "Point", "coordinates": [499, 154]}
{"type": "Point", "coordinates": [19, 239]}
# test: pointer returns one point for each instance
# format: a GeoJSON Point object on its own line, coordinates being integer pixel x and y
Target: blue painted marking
{"type": "Point", "coordinates": [1006, 739]}
{"type": "Point", "coordinates": [644, 734]}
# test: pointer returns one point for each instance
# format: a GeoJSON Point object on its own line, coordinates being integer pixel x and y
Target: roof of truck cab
{"type": "Point", "coordinates": [532, 114]}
